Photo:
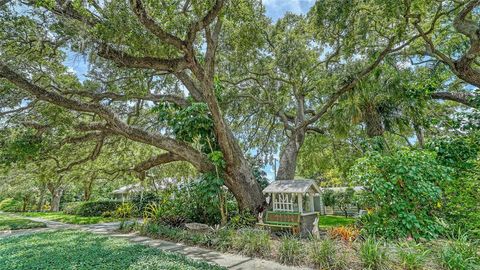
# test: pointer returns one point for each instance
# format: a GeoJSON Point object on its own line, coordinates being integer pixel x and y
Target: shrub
{"type": "Point", "coordinates": [92, 209]}
{"type": "Point", "coordinates": [124, 212]}
{"type": "Point", "coordinates": [242, 220]}
{"type": "Point", "coordinates": [224, 238]}
{"type": "Point", "coordinates": [253, 242]}
{"type": "Point", "coordinates": [291, 251]}
{"type": "Point", "coordinates": [159, 214]}
{"type": "Point", "coordinates": [412, 256]}
{"type": "Point", "coordinates": [325, 255]}
{"type": "Point", "coordinates": [459, 254]}
{"type": "Point", "coordinates": [461, 207]}
{"type": "Point", "coordinates": [329, 197]}
{"type": "Point", "coordinates": [344, 199]}
{"type": "Point", "coordinates": [372, 255]}
{"type": "Point", "coordinates": [141, 201]}
{"type": "Point", "coordinates": [345, 233]}
{"type": "Point", "coordinates": [71, 208]}
{"type": "Point", "coordinates": [11, 205]}
{"type": "Point", "coordinates": [404, 187]}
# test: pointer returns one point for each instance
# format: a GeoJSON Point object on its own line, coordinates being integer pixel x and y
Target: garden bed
{"type": "Point", "coordinates": [330, 252]}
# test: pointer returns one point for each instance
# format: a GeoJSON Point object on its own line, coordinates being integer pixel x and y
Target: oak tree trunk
{"type": "Point", "coordinates": [289, 155]}
{"type": "Point", "coordinates": [41, 198]}
{"type": "Point", "coordinates": [56, 197]}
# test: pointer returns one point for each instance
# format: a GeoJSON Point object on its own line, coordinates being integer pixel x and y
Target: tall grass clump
{"type": "Point", "coordinates": [291, 251]}
{"type": "Point", "coordinates": [325, 255]}
{"type": "Point", "coordinates": [253, 242]}
{"type": "Point", "coordinates": [372, 255]}
{"type": "Point", "coordinates": [224, 239]}
{"type": "Point", "coordinates": [460, 254]}
{"type": "Point", "coordinates": [412, 256]}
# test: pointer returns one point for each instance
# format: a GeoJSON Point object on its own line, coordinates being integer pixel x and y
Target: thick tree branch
{"type": "Point", "coordinates": [466, 99]}
{"type": "Point", "coordinates": [182, 149]}
{"type": "Point", "coordinates": [20, 109]}
{"type": "Point", "coordinates": [156, 161]}
{"type": "Point", "coordinates": [125, 60]}
{"type": "Point", "coordinates": [180, 101]}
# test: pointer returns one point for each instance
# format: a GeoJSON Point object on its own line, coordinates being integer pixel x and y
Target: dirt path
{"type": "Point", "coordinates": [228, 260]}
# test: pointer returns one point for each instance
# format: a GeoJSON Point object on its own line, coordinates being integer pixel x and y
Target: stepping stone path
{"type": "Point", "coordinates": [228, 260]}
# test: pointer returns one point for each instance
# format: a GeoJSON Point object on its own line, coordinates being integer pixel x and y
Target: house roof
{"type": "Point", "coordinates": [291, 186]}
{"type": "Point", "coordinates": [341, 189]}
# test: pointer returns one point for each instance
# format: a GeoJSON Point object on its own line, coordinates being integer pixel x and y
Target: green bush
{"type": "Point", "coordinates": [372, 255]}
{"type": "Point", "coordinates": [11, 205]}
{"type": "Point", "coordinates": [141, 201]}
{"type": "Point", "coordinates": [405, 189]}
{"type": "Point", "coordinates": [461, 207]}
{"type": "Point", "coordinates": [412, 256]}
{"type": "Point", "coordinates": [71, 208]}
{"type": "Point", "coordinates": [97, 208]}
{"type": "Point", "coordinates": [253, 242]}
{"type": "Point", "coordinates": [325, 255]}
{"type": "Point", "coordinates": [460, 254]}
{"type": "Point", "coordinates": [291, 251]}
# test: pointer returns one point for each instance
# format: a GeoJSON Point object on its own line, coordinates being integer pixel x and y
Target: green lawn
{"type": "Point", "coordinates": [72, 219]}
{"type": "Point", "coordinates": [326, 222]}
{"type": "Point", "coordinates": [13, 223]}
{"type": "Point", "coordinates": [71, 249]}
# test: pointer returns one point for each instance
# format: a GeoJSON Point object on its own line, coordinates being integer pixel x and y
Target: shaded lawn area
{"type": "Point", "coordinates": [72, 249]}
{"type": "Point", "coordinates": [65, 218]}
{"type": "Point", "coordinates": [14, 223]}
{"type": "Point", "coordinates": [326, 222]}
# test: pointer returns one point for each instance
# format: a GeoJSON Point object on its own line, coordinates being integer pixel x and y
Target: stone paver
{"type": "Point", "coordinates": [228, 260]}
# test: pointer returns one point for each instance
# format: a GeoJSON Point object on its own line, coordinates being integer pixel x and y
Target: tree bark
{"type": "Point", "coordinates": [289, 155]}
{"type": "Point", "coordinates": [41, 199]}
{"type": "Point", "coordinates": [419, 134]}
{"type": "Point", "coordinates": [87, 187]}
{"type": "Point", "coordinates": [245, 188]}
{"type": "Point", "coordinates": [373, 121]}
{"type": "Point", "coordinates": [56, 197]}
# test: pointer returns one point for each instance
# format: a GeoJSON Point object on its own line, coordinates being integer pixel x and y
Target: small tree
{"type": "Point", "coordinates": [329, 198]}
{"type": "Point", "coordinates": [344, 199]}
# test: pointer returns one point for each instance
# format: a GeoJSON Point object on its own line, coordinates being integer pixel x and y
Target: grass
{"type": "Point", "coordinates": [460, 254]}
{"type": "Point", "coordinates": [71, 249]}
{"type": "Point", "coordinates": [13, 223]}
{"type": "Point", "coordinates": [326, 222]}
{"type": "Point", "coordinates": [372, 255]}
{"type": "Point", "coordinates": [65, 218]}
{"type": "Point", "coordinates": [326, 255]}
{"type": "Point", "coordinates": [291, 251]}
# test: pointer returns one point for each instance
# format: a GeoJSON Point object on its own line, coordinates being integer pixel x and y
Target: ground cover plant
{"type": "Point", "coordinates": [66, 218]}
{"type": "Point", "coordinates": [72, 249]}
{"type": "Point", "coordinates": [8, 222]}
